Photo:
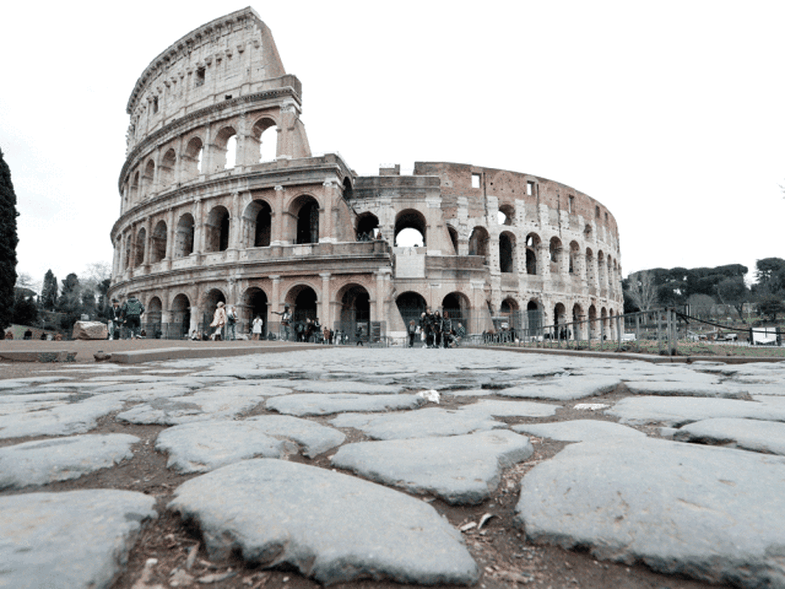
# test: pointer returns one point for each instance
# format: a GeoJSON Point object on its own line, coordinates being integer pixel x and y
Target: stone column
{"type": "Point", "coordinates": [171, 235]}
{"type": "Point", "coordinates": [327, 223]}
{"type": "Point", "coordinates": [275, 303]}
{"type": "Point", "coordinates": [278, 217]}
{"type": "Point", "coordinates": [324, 299]}
{"type": "Point", "coordinates": [198, 228]}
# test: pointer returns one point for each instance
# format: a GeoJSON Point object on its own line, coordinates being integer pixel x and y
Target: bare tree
{"type": "Point", "coordinates": [642, 290]}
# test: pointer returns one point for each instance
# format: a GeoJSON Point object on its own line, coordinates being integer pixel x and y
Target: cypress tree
{"type": "Point", "coordinates": [8, 241]}
{"type": "Point", "coordinates": [48, 299]}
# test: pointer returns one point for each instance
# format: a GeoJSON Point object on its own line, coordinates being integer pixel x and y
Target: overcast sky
{"type": "Point", "coordinates": [670, 113]}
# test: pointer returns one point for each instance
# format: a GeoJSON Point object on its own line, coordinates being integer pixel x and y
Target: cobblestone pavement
{"type": "Point", "coordinates": [359, 467]}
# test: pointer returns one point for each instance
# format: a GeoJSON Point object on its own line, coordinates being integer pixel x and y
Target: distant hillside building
{"type": "Point", "coordinates": [223, 201]}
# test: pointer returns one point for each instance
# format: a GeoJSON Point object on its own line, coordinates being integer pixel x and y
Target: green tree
{"type": "Point", "coordinates": [48, 300]}
{"type": "Point", "coordinates": [733, 291]}
{"type": "Point", "coordinates": [8, 242]}
{"type": "Point", "coordinates": [25, 311]}
{"type": "Point", "coordinates": [641, 290]}
{"type": "Point", "coordinates": [770, 276]}
{"type": "Point", "coordinates": [69, 302]}
{"type": "Point", "coordinates": [770, 306]}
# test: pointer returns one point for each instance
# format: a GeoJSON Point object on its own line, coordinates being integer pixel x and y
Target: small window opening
{"type": "Point", "coordinates": [597, 212]}
{"type": "Point", "coordinates": [199, 76]}
{"type": "Point", "coordinates": [155, 104]}
{"type": "Point", "coordinates": [475, 180]}
{"type": "Point", "coordinates": [529, 188]}
{"type": "Point", "coordinates": [571, 204]}
{"type": "Point", "coordinates": [227, 96]}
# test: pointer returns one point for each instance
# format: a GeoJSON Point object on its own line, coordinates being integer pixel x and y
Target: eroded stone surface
{"type": "Point", "coordinates": [459, 469]}
{"type": "Point", "coordinates": [326, 404]}
{"type": "Point", "coordinates": [330, 526]}
{"type": "Point", "coordinates": [61, 459]}
{"type": "Point", "coordinates": [712, 513]}
{"type": "Point", "coordinates": [581, 430]}
{"type": "Point", "coordinates": [68, 540]}
{"type": "Point", "coordinates": [750, 434]}
{"type": "Point", "coordinates": [676, 411]}
{"type": "Point", "coordinates": [61, 420]}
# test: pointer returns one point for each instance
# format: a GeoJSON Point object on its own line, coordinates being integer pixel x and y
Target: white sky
{"type": "Point", "coordinates": [670, 113]}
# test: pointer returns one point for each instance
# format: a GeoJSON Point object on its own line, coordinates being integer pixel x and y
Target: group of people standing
{"type": "Point", "coordinates": [435, 330]}
{"type": "Point", "coordinates": [128, 316]}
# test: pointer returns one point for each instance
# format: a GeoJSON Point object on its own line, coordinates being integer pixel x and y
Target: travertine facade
{"type": "Point", "coordinates": [208, 214]}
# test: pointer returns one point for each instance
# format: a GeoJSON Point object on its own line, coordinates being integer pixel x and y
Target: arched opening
{"type": "Point", "coordinates": [532, 245]}
{"type": "Point", "coordinates": [367, 227]}
{"type": "Point", "coordinates": [534, 318]}
{"type": "Point", "coordinates": [166, 169]}
{"type": "Point", "coordinates": [578, 327]}
{"type": "Point", "coordinates": [559, 320]}
{"type": "Point", "coordinates": [184, 238]}
{"type": "Point", "coordinates": [303, 299]}
{"type": "Point", "coordinates": [211, 300]}
{"type": "Point", "coordinates": [258, 224]}
{"type": "Point", "coordinates": [507, 252]}
{"type": "Point", "coordinates": [601, 276]}
{"type": "Point", "coordinates": [506, 214]}
{"type": "Point", "coordinates": [152, 318]}
{"type": "Point", "coordinates": [139, 247]}
{"type": "Point", "coordinates": [453, 238]}
{"type": "Point", "coordinates": [408, 224]}
{"type": "Point", "coordinates": [256, 303]}
{"type": "Point", "coordinates": [135, 187]}
{"type": "Point", "coordinates": [591, 274]}
{"type": "Point", "coordinates": [147, 179]}
{"type": "Point", "coordinates": [456, 306]}
{"type": "Point", "coordinates": [192, 159]}
{"type": "Point", "coordinates": [574, 255]}
{"type": "Point", "coordinates": [593, 327]}
{"type": "Point", "coordinates": [555, 249]}
{"type": "Point", "coordinates": [355, 311]}
{"type": "Point", "coordinates": [306, 211]}
{"type": "Point", "coordinates": [217, 230]}
{"type": "Point", "coordinates": [478, 242]}
{"type": "Point", "coordinates": [181, 317]}
{"type": "Point", "coordinates": [225, 153]}
{"type": "Point", "coordinates": [265, 134]}
{"type": "Point", "coordinates": [158, 243]}
{"type": "Point", "coordinates": [508, 313]}
{"type": "Point", "coordinates": [411, 306]}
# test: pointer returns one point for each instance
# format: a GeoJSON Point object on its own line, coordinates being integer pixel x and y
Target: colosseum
{"type": "Point", "coordinates": [222, 200]}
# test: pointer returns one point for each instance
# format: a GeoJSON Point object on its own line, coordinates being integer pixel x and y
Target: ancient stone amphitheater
{"type": "Point", "coordinates": [222, 200]}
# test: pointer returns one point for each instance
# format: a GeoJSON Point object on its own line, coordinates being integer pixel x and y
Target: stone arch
{"type": "Point", "coordinates": [148, 178]}
{"type": "Point", "coordinates": [411, 305]}
{"type": "Point", "coordinates": [192, 158]}
{"type": "Point", "coordinates": [453, 232]}
{"type": "Point", "coordinates": [166, 168]}
{"type": "Point", "coordinates": [152, 317]}
{"type": "Point", "coordinates": [578, 328]}
{"type": "Point", "coordinates": [264, 135]}
{"type": "Point", "coordinates": [180, 316]}
{"type": "Point", "coordinates": [601, 274]}
{"type": "Point", "coordinates": [367, 227]}
{"type": "Point", "coordinates": [303, 301]}
{"type": "Point", "coordinates": [532, 246]}
{"type": "Point", "coordinates": [134, 191]}
{"type": "Point", "coordinates": [141, 237]}
{"type": "Point", "coordinates": [507, 252]}
{"type": "Point", "coordinates": [355, 311]}
{"type": "Point", "coordinates": [184, 236]}
{"type": "Point", "coordinates": [534, 319]}
{"type": "Point", "coordinates": [216, 230]}
{"type": "Point", "coordinates": [559, 319]}
{"type": "Point", "coordinates": [506, 214]}
{"type": "Point", "coordinates": [305, 212]}
{"type": "Point", "coordinates": [478, 242]}
{"type": "Point", "coordinates": [225, 151]}
{"type": "Point", "coordinates": [575, 252]}
{"type": "Point", "coordinates": [411, 220]}
{"type": "Point", "coordinates": [255, 302]}
{"type": "Point", "coordinates": [258, 223]}
{"type": "Point", "coordinates": [210, 300]}
{"type": "Point", "coordinates": [591, 270]}
{"type": "Point", "coordinates": [457, 306]}
{"type": "Point", "coordinates": [593, 326]}
{"type": "Point", "coordinates": [158, 242]}
{"type": "Point", "coordinates": [556, 255]}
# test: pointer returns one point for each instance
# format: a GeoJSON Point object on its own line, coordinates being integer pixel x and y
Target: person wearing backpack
{"type": "Point", "coordinates": [231, 321]}
{"type": "Point", "coordinates": [132, 315]}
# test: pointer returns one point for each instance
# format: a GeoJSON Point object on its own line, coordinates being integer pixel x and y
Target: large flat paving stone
{"type": "Point", "coordinates": [676, 411]}
{"type": "Point", "coordinates": [326, 404]}
{"type": "Point", "coordinates": [459, 469]}
{"type": "Point", "coordinates": [579, 430]}
{"type": "Point", "coordinates": [749, 434]}
{"type": "Point", "coordinates": [711, 513]}
{"type": "Point", "coordinates": [207, 445]}
{"type": "Point", "coordinates": [62, 420]}
{"type": "Point", "coordinates": [70, 540]}
{"type": "Point", "coordinates": [510, 408]}
{"type": "Point", "coordinates": [563, 388]}
{"type": "Point", "coordinates": [345, 386]}
{"type": "Point", "coordinates": [688, 389]}
{"type": "Point", "coordinates": [330, 526]}
{"type": "Point", "coordinates": [422, 423]}
{"type": "Point", "coordinates": [61, 459]}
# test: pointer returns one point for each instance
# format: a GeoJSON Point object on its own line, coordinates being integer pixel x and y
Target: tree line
{"type": "Point", "coordinates": [704, 288]}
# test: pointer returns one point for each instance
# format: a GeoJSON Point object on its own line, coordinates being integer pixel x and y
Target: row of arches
{"type": "Point", "coordinates": [576, 322]}
{"type": "Point", "coordinates": [186, 158]}
{"type": "Point", "coordinates": [216, 232]}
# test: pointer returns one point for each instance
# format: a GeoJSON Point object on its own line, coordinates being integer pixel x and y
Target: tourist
{"type": "Point", "coordinates": [117, 319]}
{"type": "Point", "coordinates": [131, 312]}
{"type": "Point", "coordinates": [286, 320]}
{"type": "Point", "coordinates": [447, 331]}
{"type": "Point", "coordinates": [411, 331]}
{"type": "Point", "coordinates": [256, 328]}
{"type": "Point", "coordinates": [219, 321]}
{"type": "Point", "coordinates": [231, 322]}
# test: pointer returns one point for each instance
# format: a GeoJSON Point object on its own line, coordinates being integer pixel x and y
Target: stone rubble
{"type": "Point", "coordinates": [617, 488]}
